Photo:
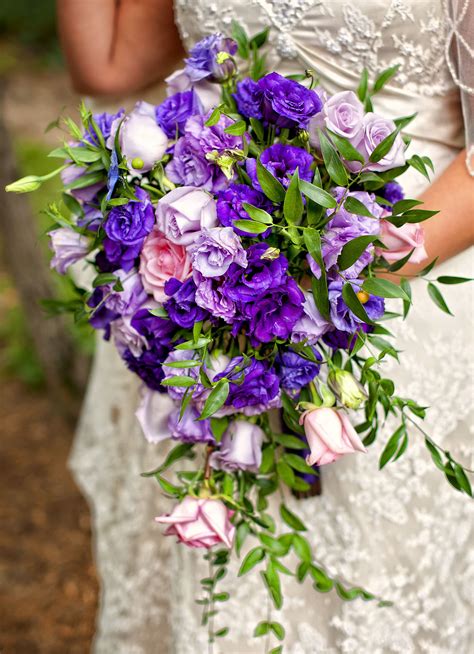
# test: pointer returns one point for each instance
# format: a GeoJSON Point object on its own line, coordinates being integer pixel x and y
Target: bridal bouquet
{"type": "Point", "coordinates": [243, 234]}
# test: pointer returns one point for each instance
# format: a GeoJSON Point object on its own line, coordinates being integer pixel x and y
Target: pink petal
{"type": "Point", "coordinates": [215, 514]}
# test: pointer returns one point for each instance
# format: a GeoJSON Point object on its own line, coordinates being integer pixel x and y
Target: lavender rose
{"type": "Point", "coordinates": [287, 103]}
{"type": "Point", "coordinates": [152, 414]}
{"type": "Point", "coordinates": [184, 212]}
{"type": "Point", "coordinates": [376, 129]}
{"type": "Point", "coordinates": [342, 113]}
{"type": "Point", "coordinates": [214, 251]}
{"type": "Point", "coordinates": [68, 247]}
{"type": "Point", "coordinates": [240, 448]}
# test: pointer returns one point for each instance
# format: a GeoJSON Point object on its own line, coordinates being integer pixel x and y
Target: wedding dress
{"type": "Point", "coordinates": [403, 533]}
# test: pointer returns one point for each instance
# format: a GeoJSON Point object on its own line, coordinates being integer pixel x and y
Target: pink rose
{"type": "Point", "coordinates": [402, 240]}
{"type": "Point", "coordinates": [200, 523]}
{"type": "Point", "coordinates": [159, 261]}
{"type": "Point", "coordinates": [330, 435]}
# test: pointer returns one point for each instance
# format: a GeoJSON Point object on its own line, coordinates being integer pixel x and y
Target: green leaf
{"type": "Point", "coordinates": [179, 380]}
{"type": "Point", "coordinates": [278, 630]}
{"type": "Point", "coordinates": [285, 473]}
{"type": "Point", "coordinates": [272, 581]}
{"type": "Point", "coordinates": [437, 297]}
{"type": "Point", "coordinates": [333, 164]}
{"type": "Point", "coordinates": [218, 427]}
{"type": "Point", "coordinates": [448, 279]}
{"type": "Point", "coordinates": [168, 487]}
{"type": "Point", "coordinates": [418, 164]}
{"type": "Point", "coordinates": [260, 215]}
{"type": "Point", "coordinates": [86, 180]}
{"type": "Point", "coordinates": [414, 216]}
{"type": "Point", "coordinates": [240, 37]}
{"type": "Point", "coordinates": [253, 558]}
{"type": "Point", "coordinates": [312, 241]}
{"type": "Point", "coordinates": [268, 456]}
{"type": "Point", "coordinates": [216, 399]}
{"type": "Point", "coordinates": [214, 117]}
{"type": "Point", "coordinates": [352, 301]}
{"type": "Point", "coordinates": [293, 204]}
{"type": "Point", "coordinates": [298, 463]}
{"type": "Point", "coordinates": [250, 226]}
{"type": "Point", "coordinates": [391, 446]}
{"type": "Point", "coordinates": [384, 77]}
{"type": "Point", "coordinates": [363, 85]}
{"type": "Point", "coordinates": [352, 251]}
{"type": "Point", "coordinates": [261, 629]}
{"type": "Point", "coordinates": [276, 650]}
{"type": "Point", "coordinates": [435, 455]}
{"type": "Point", "coordinates": [352, 205]}
{"type": "Point", "coordinates": [273, 545]}
{"type": "Point", "coordinates": [318, 195]}
{"type": "Point", "coordinates": [384, 288]}
{"type": "Point", "coordinates": [188, 363]}
{"type": "Point", "coordinates": [384, 147]}
{"type": "Point", "coordinates": [291, 519]}
{"type": "Point", "coordinates": [398, 265]}
{"type": "Point", "coordinates": [428, 268]}
{"type": "Point", "coordinates": [272, 188]}
{"type": "Point", "coordinates": [191, 345]}
{"type": "Point", "coordinates": [259, 39]}
{"type": "Point", "coordinates": [302, 548]}
{"type": "Point", "coordinates": [237, 129]}
{"type": "Point", "coordinates": [241, 534]}
{"type": "Point", "coordinates": [405, 284]}
{"type": "Point", "coordinates": [346, 148]}
{"type": "Point", "coordinates": [322, 582]}
{"type": "Point", "coordinates": [221, 632]}
{"type": "Point", "coordinates": [404, 205]}
{"type": "Point", "coordinates": [462, 479]}
{"type": "Point", "coordinates": [104, 278]}
{"type": "Point", "coordinates": [257, 128]}
{"type": "Point", "coordinates": [179, 452]}
{"type": "Point", "coordinates": [402, 122]}
{"type": "Point", "coordinates": [289, 441]}
{"type": "Point", "coordinates": [349, 594]}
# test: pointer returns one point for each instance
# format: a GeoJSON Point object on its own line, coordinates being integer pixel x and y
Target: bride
{"type": "Point", "coordinates": [402, 533]}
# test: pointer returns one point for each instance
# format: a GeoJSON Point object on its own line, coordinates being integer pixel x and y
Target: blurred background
{"type": "Point", "coordinates": [48, 587]}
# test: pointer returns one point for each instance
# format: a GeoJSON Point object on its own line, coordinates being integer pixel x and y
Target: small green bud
{"type": "Point", "coordinates": [221, 57]}
{"type": "Point", "coordinates": [348, 389]}
{"type": "Point", "coordinates": [24, 185]}
{"type": "Point", "coordinates": [327, 395]}
{"type": "Point", "coordinates": [270, 254]}
{"type": "Point", "coordinates": [137, 163]}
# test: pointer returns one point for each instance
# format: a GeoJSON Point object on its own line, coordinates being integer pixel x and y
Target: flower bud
{"type": "Point", "coordinates": [350, 392]}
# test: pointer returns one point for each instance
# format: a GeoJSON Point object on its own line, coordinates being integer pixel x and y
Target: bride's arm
{"type": "Point", "coordinates": [115, 47]}
{"type": "Point", "coordinates": [452, 229]}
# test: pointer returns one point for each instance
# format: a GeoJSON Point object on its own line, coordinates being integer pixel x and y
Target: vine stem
{"type": "Point", "coordinates": [210, 623]}
{"type": "Point", "coordinates": [269, 617]}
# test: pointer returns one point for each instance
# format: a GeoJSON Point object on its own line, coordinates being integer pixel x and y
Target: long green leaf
{"type": "Point", "coordinates": [293, 204]}
{"type": "Point", "coordinates": [272, 188]}
{"type": "Point", "coordinates": [216, 399]}
{"type": "Point", "coordinates": [332, 161]}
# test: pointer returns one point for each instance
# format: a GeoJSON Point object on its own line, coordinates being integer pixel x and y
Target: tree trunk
{"type": "Point", "coordinates": [64, 371]}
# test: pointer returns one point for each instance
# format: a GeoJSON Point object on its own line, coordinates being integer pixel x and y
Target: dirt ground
{"type": "Point", "coordinates": [48, 586]}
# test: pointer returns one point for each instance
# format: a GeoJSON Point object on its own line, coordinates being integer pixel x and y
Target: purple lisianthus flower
{"type": "Point", "coordinates": [203, 58]}
{"type": "Point", "coordinates": [393, 192]}
{"type": "Point", "coordinates": [282, 161]}
{"type": "Point", "coordinates": [68, 247]}
{"type": "Point", "coordinates": [344, 227]}
{"type": "Point", "coordinates": [342, 317]}
{"type": "Point", "coordinates": [212, 138]}
{"type": "Point", "coordinates": [240, 448]}
{"type": "Point", "coordinates": [295, 371]}
{"type": "Point", "coordinates": [152, 327]}
{"type": "Point", "coordinates": [211, 296]}
{"type": "Point", "coordinates": [249, 97]}
{"type": "Point", "coordinates": [104, 122]}
{"type": "Point", "coordinates": [260, 275]}
{"type": "Point", "coordinates": [126, 337]}
{"type": "Point", "coordinates": [133, 295]}
{"type": "Point", "coordinates": [173, 113]}
{"type": "Point", "coordinates": [230, 209]}
{"type": "Point", "coordinates": [92, 218]}
{"type": "Point", "coordinates": [189, 167]}
{"type": "Point", "coordinates": [148, 366]}
{"type": "Point", "coordinates": [85, 194]}
{"type": "Point", "coordinates": [252, 384]}
{"type": "Point", "coordinates": [101, 316]}
{"type": "Point", "coordinates": [126, 228]}
{"type": "Point", "coordinates": [311, 326]}
{"type": "Point", "coordinates": [182, 307]}
{"type": "Point", "coordinates": [274, 314]}
{"type": "Point", "coordinates": [215, 250]}
{"type": "Point", "coordinates": [190, 429]}
{"type": "Point", "coordinates": [287, 103]}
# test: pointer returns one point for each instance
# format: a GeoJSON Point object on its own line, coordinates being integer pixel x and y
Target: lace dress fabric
{"type": "Point", "coordinates": [402, 533]}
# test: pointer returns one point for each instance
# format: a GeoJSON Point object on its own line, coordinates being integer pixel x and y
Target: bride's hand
{"type": "Point", "coordinates": [116, 47]}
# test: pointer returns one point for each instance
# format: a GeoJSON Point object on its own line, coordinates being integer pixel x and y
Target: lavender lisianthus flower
{"type": "Point", "coordinates": [126, 337]}
{"type": "Point", "coordinates": [259, 386]}
{"type": "Point", "coordinates": [282, 161]}
{"type": "Point", "coordinates": [177, 392]}
{"type": "Point", "coordinates": [92, 218]}
{"type": "Point", "coordinates": [274, 314]}
{"type": "Point", "coordinates": [85, 194]}
{"type": "Point", "coordinates": [240, 448]}
{"type": "Point", "coordinates": [68, 247]}
{"type": "Point", "coordinates": [249, 97]}
{"type": "Point", "coordinates": [101, 316]}
{"type": "Point", "coordinates": [190, 429]}
{"type": "Point", "coordinates": [230, 209]}
{"type": "Point", "coordinates": [294, 371]}
{"type": "Point", "coordinates": [133, 295]}
{"type": "Point", "coordinates": [152, 327]}
{"type": "Point", "coordinates": [172, 113]}
{"type": "Point", "coordinates": [260, 275]}
{"type": "Point", "coordinates": [182, 307]}
{"type": "Point", "coordinates": [211, 296]}
{"type": "Point", "coordinates": [215, 250]}
{"type": "Point", "coordinates": [342, 317]}
{"type": "Point", "coordinates": [311, 326]}
{"type": "Point", "coordinates": [212, 138]}
{"type": "Point", "coordinates": [104, 122]}
{"type": "Point", "coordinates": [126, 228]}
{"type": "Point", "coordinates": [152, 414]}
{"type": "Point", "coordinates": [189, 167]}
{"type": "Point", "coordinates": [208, 92]}
{"type": "Point", "coordinates": [203, 61]}
{"type": "Point", "coordinates": [287, 103]}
